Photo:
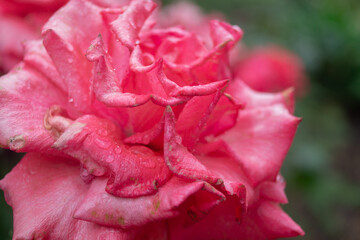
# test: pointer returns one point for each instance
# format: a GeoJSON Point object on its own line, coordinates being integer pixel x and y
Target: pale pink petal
{"type": "Point", "coordinates": [13, 31]}
{"type": "Point", "coordinates": [129, 24]}
{"type": "Point", "coordinates": [67, 50]}
{"type": "Point", "coordinates": [261, 139]}
{"type": "Point", "coordinates": [223, 33]}
{"type": "Point", "coordinates": [37, 57]}
{"type": "Point", "coordinates": [200, 90]}
{"type": "Point", "coordinates": [253, 99]}
{"type": "Point", "coordinates": [105, 83]}
{"type": "Point", "coordinates": [44, 192]}
{"type": "Point", "coordinates": [105, 209]}
{"type": "Point", "coordinates": [25, 97]}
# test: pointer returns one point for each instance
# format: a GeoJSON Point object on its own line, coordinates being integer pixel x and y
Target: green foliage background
{"type": "Point", "coordinates": [323, 166]}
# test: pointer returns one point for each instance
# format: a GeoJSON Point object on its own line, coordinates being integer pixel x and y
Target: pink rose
{"type": "Point", "coordinates": [20, 21]}
{"type": "Point", "coordinates": [272, 69]}
{"type": "Point", "coordinates": [134, 131]}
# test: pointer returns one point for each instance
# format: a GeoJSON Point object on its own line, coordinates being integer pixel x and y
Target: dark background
{"type": "Point", "coordinates": [323, 166]}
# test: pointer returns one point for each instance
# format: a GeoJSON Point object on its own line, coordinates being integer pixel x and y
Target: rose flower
{"type": "Point", "coordinates": [272, 69]}
{"type": "Point", "coordinates": [135, 131]}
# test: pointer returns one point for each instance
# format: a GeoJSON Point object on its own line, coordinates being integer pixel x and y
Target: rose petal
{"type": "Point", "coordinates": [252, 99]}
{"type": "Point", "coordinates": [194, 116]}
{"type": "Point", "coordinates": [43, 192]}
{"type": "Point", "coordinates": [223, 117]}
{"type": "Point", "coordinates": [179, 160]}
{"type": "Point", "coordinates": [275, 222]}
{"type": "Point", "coordinates": [128, 25]}
{"type": "Point", "coordinates": [67, 50]}
{"type": "Point", "coordinates": [105, 209]}
{"type": "Point", "coordinates": [106, 85]}
{"type": "Point", "coordinates": [266, 221]}
{"type": "Point", "coordinates": [221, 223]}
{"type": "Point", "coordinates": [273, 191]}
{"type": "Point", "coordinates": [133, 171]}
{"type": "Point", "coordinates": [261, 139]}
{"type": "Point", "coordinates": [25, 96]}
{"type": "Point", "coordinates": [223, 33]}
{"type": "Point", "coordinates": [36, 56]}
{"type": "Point", "coordinates": [13, 31]}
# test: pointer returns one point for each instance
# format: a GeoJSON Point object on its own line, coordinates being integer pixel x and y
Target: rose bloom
{"type": "Point", "coordinates": [272, 69]}
{"type": "Point", "coordinates": [137, 131]}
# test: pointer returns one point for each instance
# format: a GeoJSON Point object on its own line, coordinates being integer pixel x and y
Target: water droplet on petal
{"type": "Point", "coordinates": [110, 158]}
{"type": "Point", "coordinates": [71, 100]}
{"type": "Point", "coordinates": [118, 150]}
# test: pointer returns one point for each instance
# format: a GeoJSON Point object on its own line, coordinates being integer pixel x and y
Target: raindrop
{"type": "Point", "coordinates": [118, 150]}
{"type": "Point", "coordinates": [110, 158]}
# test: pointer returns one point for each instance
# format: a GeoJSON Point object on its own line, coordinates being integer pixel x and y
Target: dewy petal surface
{"type": "Point", "coordinates": [51, 190]}
{"type": "Point", "coordinates": [25, 97]}
{"type": "Point", "coordinates": [67, 50]}
{"type": "Point", "coordinates": [133, 171]}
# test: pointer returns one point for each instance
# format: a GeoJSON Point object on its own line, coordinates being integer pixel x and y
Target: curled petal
{"type": "Point", "coordinates": [147, 136]}
{"type": "Point", "coordinates": [253, 99]}
{"type": "Point", "coordinates": [67, 50]}
{"type": "Point", "coordinates": [105, 209]}
{"type": "Point", "coordinates": [199, 90]}
{"type": "Point", "coordinates": [179, 160]}
{"type": "Point", "coordinates": [106, 85]}
{"type": "Point", "coordinates": [194, 116]}
{"type": "Point", "coordinates": [223, 33]}
{"type": "Point", "coordinates": [129, 24]}
{"type": "Point", "coordinates": [132, 171]}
